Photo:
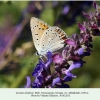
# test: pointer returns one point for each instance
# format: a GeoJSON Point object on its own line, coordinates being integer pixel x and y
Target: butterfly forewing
{"type": "Point", "coordinates": [38, 27]}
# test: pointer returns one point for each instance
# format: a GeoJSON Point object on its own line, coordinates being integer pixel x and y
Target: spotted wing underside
{"type": "Point", "coordinates": [38, 27]}
{"type": "Point", "coordinates": [52, 39]}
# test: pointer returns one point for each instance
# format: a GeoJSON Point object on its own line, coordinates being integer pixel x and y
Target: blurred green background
{"type": "Point", "coordinates": [17, 52]}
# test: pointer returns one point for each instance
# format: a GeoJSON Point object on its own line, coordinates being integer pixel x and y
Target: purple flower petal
{"type": "Point", "coordinates": [28, 82]}
{"type": "Point", "coordinates": [75, 37]}
{"type": "Point", "coordinates": [49, 61]}
{"type": "Point", "coordinates": [70, 42]}
{"type": "Point", "coordinates": [40, 78]}
{"type": "Point", "coordinates": [38, 81]}
{"type": "Point", "coordinates": [35, 85]}
{"type": "Point", "coordinates": [67, 78]}
{"type": "Point", "coordinates": [87, 15]}
{"type": "Point", "coordinates": [57, 58]}
{"type": "Point", "coordinates": [94, 4]}
{"type": "Point", "coordinates": [80, 51]}
{"type": "Point", "coordinates": [38, 68]}
{"type": "Point", "coordinates": [86, 54]}
{"type": "Point", "coordinates": [65, 10]}
{"type": "Point", "coordinates": [74, 65]}
{"type": "Point", "coordinates": [81, 27]}
{"type": "Point", "coordinates": [55, 81]}
{"type": "Point", "coordinates": [68, 73]}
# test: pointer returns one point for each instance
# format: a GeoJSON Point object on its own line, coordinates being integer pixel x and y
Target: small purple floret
{"type": "Point", "coordinates": [81, 27]}
{"type": "Point", "coordinates": [80, 51]}
{"type": "Point", "coordinates": [55, 81]}
{"type": "Point", "coordinates": [28, 83]}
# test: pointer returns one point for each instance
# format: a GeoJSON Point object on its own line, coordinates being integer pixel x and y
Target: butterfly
{"type": "Point", "coordinates": [45, 37]}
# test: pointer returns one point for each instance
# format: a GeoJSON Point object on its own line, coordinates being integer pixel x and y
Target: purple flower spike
{"type": "Point", "coordinates": [68, 58]}
{"type": "Point", "coordinates": [80, 51]}
{"type": "Point", "coordinates": [57, 59]}
{"type": "Point", "coordinates": [81, 27]}
{"type": "Point", "coordinates": [74, 65]}
{"type": "Point", "coordinates": [28, 82]}
{"type": "Point", "coordinates": [87, 15]}
{"type": "Point", "coordinates": [55, 81]}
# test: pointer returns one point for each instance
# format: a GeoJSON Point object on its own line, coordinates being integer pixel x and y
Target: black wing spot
{"type": "Point", "coordinates": [39, 28]}
{"type": "Point", "coordinates": [58, 30]}
{"type": "Point", "coordinates": [43, 45]}
{"type": "Point", "coordinates": [38, 44]}
{"type": "Point", "coordinates": [35, 26]}
{"type": "Point", "coordinates": [36, 34]}
{"type": "Point", "coordinates": [37, 39]}
{"type": "Point", "coordinates": [42, 28]}
{"type": "Point", "coordinates": [46, 33]}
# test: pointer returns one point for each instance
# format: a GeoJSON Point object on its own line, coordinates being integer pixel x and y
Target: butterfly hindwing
{"type": "Point", "coordinates": [52, 39]}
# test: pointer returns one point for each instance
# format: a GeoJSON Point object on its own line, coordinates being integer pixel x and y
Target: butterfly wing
{"type": "Point", "coordinates": [38, 27]}
{"type": "Point", "coordinates": [52, 40]}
